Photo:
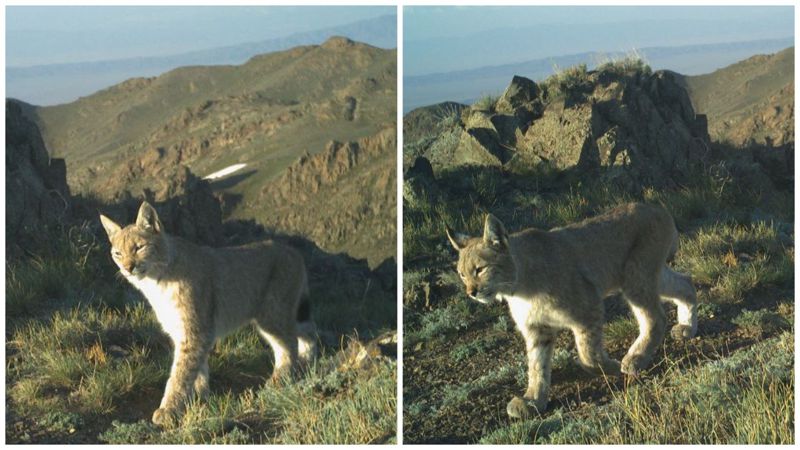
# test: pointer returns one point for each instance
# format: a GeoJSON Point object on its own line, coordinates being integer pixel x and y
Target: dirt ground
{"type": "Point", "coordinates": [430, 367]}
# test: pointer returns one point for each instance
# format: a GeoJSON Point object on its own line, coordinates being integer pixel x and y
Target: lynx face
{"type": "Point", "coordinates": [139, 250]}
{"type": "Point", "coordinates": [485, 265]}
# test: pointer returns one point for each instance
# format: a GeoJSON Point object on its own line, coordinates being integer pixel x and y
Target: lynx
{"type": "Point", "coordinates": [553, 280]}
{"type": "Point", "coordinates": [201, 294]}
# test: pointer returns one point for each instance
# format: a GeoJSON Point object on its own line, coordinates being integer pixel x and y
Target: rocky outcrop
{"type": "Point", "coordinates": [185, 203]}
{"type": "Point", "coordinates": [36, 185]}
{"type": "Point", "coordinates": [342, 198]}
{"type": "Point", "coordinates": [419, 183]}
{"type": "Point", "coordinates": [634, 127]}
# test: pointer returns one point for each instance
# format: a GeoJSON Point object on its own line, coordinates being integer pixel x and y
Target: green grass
{"type": "Point", "coordinates": [296, 414]}
{"type": "Point", "coordinates": [83, 351]}
{"type": "Point", "coordinates": [736, 243]}
{"type": "Point", "coordinates": [746, 398]}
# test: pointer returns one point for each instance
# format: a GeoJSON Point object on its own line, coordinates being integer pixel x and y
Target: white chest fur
{"type": "Point", "coordinates": [161, 297]}
{"type": "Point", "coordinates": [528, 312]}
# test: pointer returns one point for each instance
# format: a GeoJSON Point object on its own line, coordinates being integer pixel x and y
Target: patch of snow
{"type": "Point", "coordinates": [225, 172]}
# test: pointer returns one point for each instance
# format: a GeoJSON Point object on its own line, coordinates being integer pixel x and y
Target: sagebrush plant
{"type": "Point", "coordinates": [487, 102]}
{"type": "Point", "coordinates": [631, 63]}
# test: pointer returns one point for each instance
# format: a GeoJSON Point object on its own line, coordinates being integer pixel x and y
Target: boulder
{"type": "Point", "coordinates": [419, 183]}
{"type": "Point", "coordinates": [632, 126]}
{"type": "Point", "coordinates": [36, 186]}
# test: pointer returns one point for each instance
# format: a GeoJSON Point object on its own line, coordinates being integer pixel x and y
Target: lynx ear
{"type": "Point", "coordinates": [147, 219]}
{"type": "Point", "coordinates": [111, 227]}
{"type": "Point", "coordinates": [458, 240]}
{"type": "Point", "coordinates": [494, 233]}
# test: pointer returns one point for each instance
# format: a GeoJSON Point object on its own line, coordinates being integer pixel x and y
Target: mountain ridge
{"type": "Point", "coordinates": [264, 113]}
{"type": "Point", "coordinates": [380, 31]}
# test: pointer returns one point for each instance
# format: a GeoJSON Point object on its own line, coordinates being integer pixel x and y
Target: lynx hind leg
{"type": "Point", "coordinates": [652, 323]}
{"type": "Point", "coordinates": [678, 289]}
{"type": "Point", "coordinates": [284, 347]}
{"type": "Point", "coordinates": [591, 354]}
{"type": "Point", "coordinates": [306, 342]}
{"type": "Point", "coordinates": [306, 331]}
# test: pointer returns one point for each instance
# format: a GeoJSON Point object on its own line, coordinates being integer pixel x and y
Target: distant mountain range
{"type": "Point", "coordinates": [466, 86]}
{"type": "Point", "coordinates": [59, 83]}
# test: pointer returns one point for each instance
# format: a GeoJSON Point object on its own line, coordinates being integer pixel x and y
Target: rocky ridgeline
{"type": "Point", "coordinates": [36, 185]}
{"type": "Point", "coordinates": [186, 204]}
{"type": "Point", "coordinates": [37, 193]}
{"type": "Point", "coordinates": [639, 128]}
{"type": "Point", "coordinates": [342, 198]}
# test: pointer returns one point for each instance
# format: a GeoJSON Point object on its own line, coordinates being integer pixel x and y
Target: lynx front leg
{"type": "Point", "coordinates": [190, 356]}
{"type": "Point", "coordinates": [539, 348]}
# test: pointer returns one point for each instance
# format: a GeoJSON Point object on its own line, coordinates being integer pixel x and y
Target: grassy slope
{"type": "Point", "coordinates": [730, 384]}
{"type": "Point", "coordinates": [87, 362]}
{"type": "Point", "coordinates": [465, 360]}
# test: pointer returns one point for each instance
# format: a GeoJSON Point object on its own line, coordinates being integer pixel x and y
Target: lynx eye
{"type": "Point", "coordinates": [138, 249]}
{"type": "Point", "coordinates": [116, 253]}
{"type": "Point", "coordinates": [479, 270]}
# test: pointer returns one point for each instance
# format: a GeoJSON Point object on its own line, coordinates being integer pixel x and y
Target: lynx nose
{"type": "Point", "coordinates": [472, 291]}
{"type": "Point", "coordinates": [129, 266]}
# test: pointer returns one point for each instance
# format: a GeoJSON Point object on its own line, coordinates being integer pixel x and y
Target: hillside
{"type": "Point", "coordinates": [265, 114]}
{"type": "Point", "coordinates": [545, 155]}
{"type": "Point", "coordinates": [751, 101]}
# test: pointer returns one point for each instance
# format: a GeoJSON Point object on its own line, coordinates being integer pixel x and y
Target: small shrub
{"type": "Point", "coordinates": [486, 103]}
{"type": "Point", "coordinates": [760, 322]}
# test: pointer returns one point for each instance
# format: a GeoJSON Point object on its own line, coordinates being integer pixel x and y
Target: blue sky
{"type": "Point", "coordinates": [64, 34]}
{"type": "Point", "coordinates": [441, 39]}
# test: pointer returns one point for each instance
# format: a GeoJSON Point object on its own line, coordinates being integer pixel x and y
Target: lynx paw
{"type": "Point", "coordinates": [632, 365]}
{"type": "Point", "coordinates": [165, 417]}
{"type": "Point", "coordinates": [201, 388]}
{"type": "Point", "coordinates": [282, 377]}
{"type": "Point", "coordinates": [682, 332]}
{"type": "Point", "coordinates": [519, 408]}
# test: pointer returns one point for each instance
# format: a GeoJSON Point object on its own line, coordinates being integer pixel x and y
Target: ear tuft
{"type": "Point", "coordinates": [110, 226]}
{"type": "Point", "coordinates": [147, 219]}
{"type": "Point", "coordinates": [494, 233]}
{"type": "Point", "coordinates": [458, 240]}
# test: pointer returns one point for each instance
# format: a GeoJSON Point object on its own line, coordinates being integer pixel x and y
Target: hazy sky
{"type": "Point", "coordinates": [441, 39]}
{"type": "Point", "coordinates": [62, 34]}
